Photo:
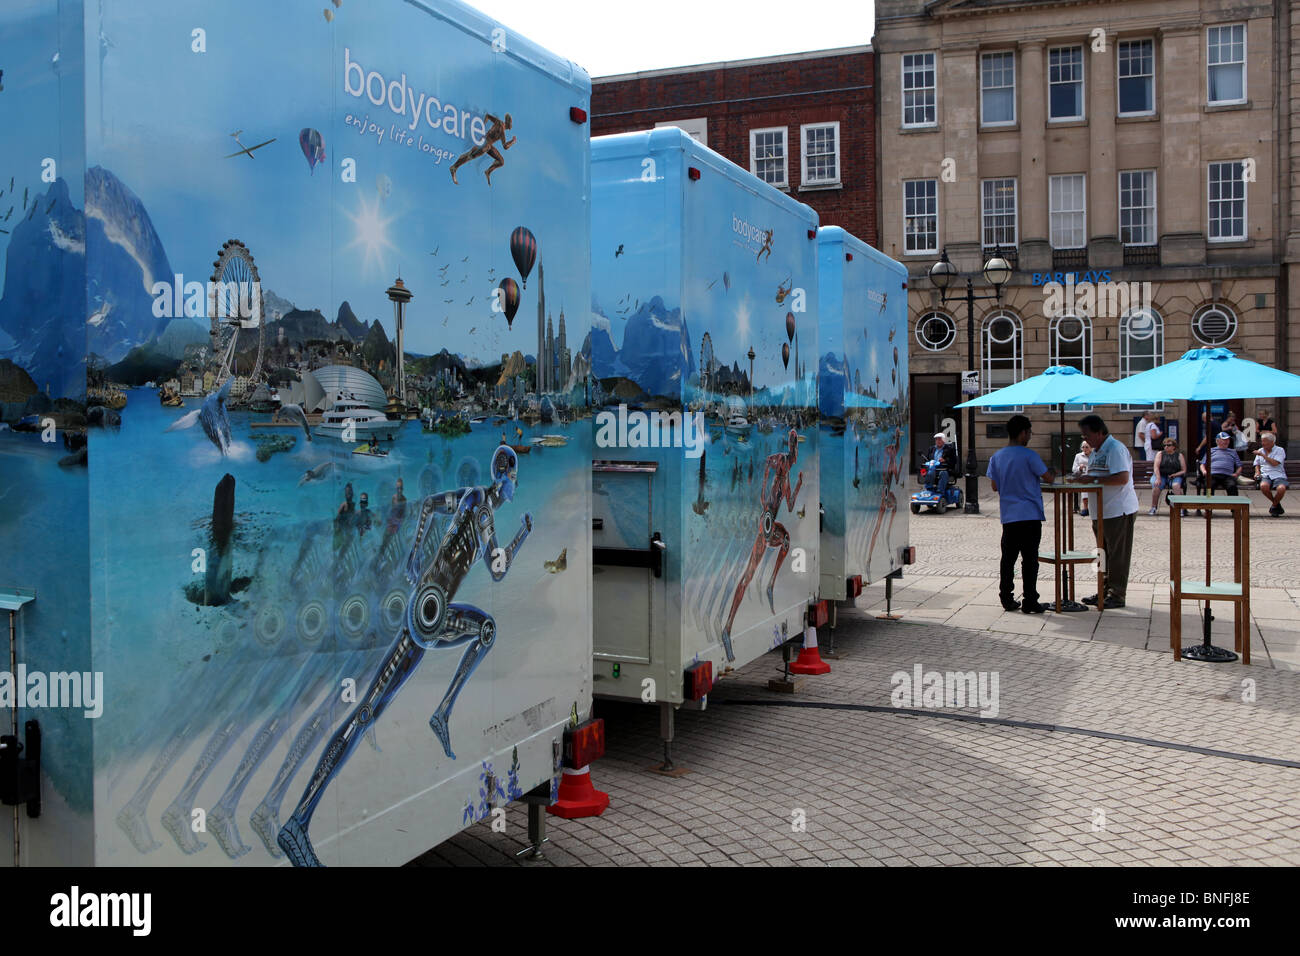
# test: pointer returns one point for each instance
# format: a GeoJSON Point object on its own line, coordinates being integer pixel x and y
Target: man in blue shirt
{"type": "Point", "coordinates": [1015, 473]}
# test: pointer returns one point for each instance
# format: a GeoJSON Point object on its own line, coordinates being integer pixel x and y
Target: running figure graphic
{"type": "Point", "coordinates": [888, 502]}
{"type": "Point", "coordinates": [767, 247]}
{"type": "Point", "coordinates": [432, 621]}
{"type": "Point", "coordinates": [771, 533]}
{"type": "Point", "coordinates": [496, 133]}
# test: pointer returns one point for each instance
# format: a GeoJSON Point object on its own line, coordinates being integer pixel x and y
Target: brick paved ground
{"type": "Point", "coordinates": [886, 788]}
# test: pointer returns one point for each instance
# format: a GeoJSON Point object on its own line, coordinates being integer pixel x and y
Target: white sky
{"type": "Point", "coordinates": [626, 36]}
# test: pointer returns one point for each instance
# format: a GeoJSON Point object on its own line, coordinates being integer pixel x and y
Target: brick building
{"type": "Point", "coordinates": [1148, 141]}
{"type": "Point", "coordinates": [805, 122]}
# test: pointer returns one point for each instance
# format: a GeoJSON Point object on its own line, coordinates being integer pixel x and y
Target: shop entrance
{"type": "Point", "coordinates": [933, 398]}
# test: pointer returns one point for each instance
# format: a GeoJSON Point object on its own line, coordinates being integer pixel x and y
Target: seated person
{"type": "Point", "coordinates": [946, 455]}
{"type": "Point", "coordinates": [1223, 467]}
{"type": "Point", "coordinates": [1080, 467]}
{"type": "Point", "coordinates": [1270, 471]}
{"type": "Point", "coordinates": [1168, 472]}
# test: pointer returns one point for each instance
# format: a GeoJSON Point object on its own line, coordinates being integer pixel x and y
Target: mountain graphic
{"type": "Point", "coordinates": [656, 351]}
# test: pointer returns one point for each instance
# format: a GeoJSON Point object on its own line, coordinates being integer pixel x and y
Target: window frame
{"type": "Point", "coordinates": [935, 248]}
{"type": "Point", "coordinates": [1234, 323]}
{"type": "Point", "coordinates": [1015, 112]}
{"type": "Point", "coordinates": [1015, 213]}
{"type": "Point", "coordinates": [1209, 201]}
{"type": "Point", "coordinates": [1054, 348]}
{"type": "Point", "coordinates": [1245, 38]}
{"type": "Point", "coordinates": [1155, 207]}
{"type": "Point", "coordinates": [1017, 359]}
{"type": "Point", "coordinates": [1083, 177]}
{"type": "Point", "coordinates": [934, 88]}
{"type": "Point", "coordinates": [924, 318]}
{"type": "Point", "coordinates": [1119, 79]}
{"type": "Point", "coordinates": [785, 154]}
{"type": "Point", "coordinates": [1082, 81]}
{"type": "Point", "coordinates": [803, 157]}
{"type": "Point", "coordinates": [1126, 355]}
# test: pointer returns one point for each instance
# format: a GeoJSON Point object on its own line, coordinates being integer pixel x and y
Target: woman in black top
{"type": "Point", "coordinates": [1168, 471]}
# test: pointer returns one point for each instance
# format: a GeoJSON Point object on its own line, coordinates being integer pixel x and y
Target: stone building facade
{"type": "Point", "coordinates": [1148, 143]}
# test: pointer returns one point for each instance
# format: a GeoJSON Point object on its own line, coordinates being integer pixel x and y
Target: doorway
{"type": "Point", "coordinates": [933, 401]}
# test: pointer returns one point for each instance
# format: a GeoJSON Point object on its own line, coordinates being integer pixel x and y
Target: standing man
{"type": "Point", "coordinates": [1271, 472]}
{"type": "Point", "coordinates": [1112, 467]}
{"type": "Point", "coordinates": [1015, 473]}
{"type": "Point", "coordinates": [1150, 435]}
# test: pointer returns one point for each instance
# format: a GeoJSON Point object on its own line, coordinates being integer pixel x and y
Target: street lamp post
{"type": "Point", "coordinates": [996, 271]}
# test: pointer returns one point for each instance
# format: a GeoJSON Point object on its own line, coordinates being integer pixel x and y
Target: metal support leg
{"type": "Point", "coordinates": [889, 614]}
{"type": "Point", "coordinates": [537, 799]}
{"type": "Point", "coordinates": [666, 726]}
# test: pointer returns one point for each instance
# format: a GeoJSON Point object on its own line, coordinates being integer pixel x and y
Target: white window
{"type": "Point", "coordinates": [935, 331]}
{"type": "Point", "coordinates": [920, 215]}
{"type": "Point", "coordinates": [1214, 325]}
{"type": "Point", "coordinates": [1137, 77]}
{"type": "Point", "coordinates": [767, 158]}
{"type": "Point", "coordinates": [1141, 346]}
{"type": "Point", "coordinates": [821, 154]}
{"type": "Point", "coordinates": [998, 89]}
{"type": "Point", "coordinates": [1002, 352]}
{"type": "Point", "coordinates": [918, 90]}
{"type": "Point", "coordinates": [697, 129]}
{"type": "Point", "coordinates": [999, 212]}
{"type": "Point", "coordinates": [1069, 220]}
{"type": "Point", "coordinates": [1137, 207]}
{"type": "Point", "coordinates": [1065, 83]}
{"type": "Point", "coordinates": [1227, 188]}
{"type": "Point", "coordinates": [1225, 59]}
{"type": "Point", "coordinates": [1071, 344]}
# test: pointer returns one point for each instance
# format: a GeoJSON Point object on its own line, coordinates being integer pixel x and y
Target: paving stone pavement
{"type": "Point", "coordinates": [880, 787]}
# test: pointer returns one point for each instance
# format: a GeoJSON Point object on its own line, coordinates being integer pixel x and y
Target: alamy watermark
{"type": "Point", "coordinates": [634, 429]}
{"type": "Point", "coordinates": [75, 689]}
{"type": "Point", "coordinates": [1104, 299]}
{"type": "Point", "coordinates": [950, 689]}
{"type": "Point", "coordinates": [241, 301]}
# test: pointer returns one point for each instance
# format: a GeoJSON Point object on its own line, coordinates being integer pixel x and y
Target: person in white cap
{"type": "Point", "coordinates": [946, 455]}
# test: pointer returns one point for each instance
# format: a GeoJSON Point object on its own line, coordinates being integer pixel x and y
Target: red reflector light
{"type": "Point", "coordinates": [699, 680]}
{"type": "Point", "coordinates": [909, 554]}
{"type": "Point", "coordinates": [848, 257]}
{"type": "Point", "coordinates": [818, 614]}
{"type": "Point", "coordinates": [584, 743]}
{"type": "Point", "coordinates": [812, 233]}
{"type": "Point", "coordinates": [577, 114]}
{"type": "Point", "coordinates": [693, 173]}
{"type": "Point", "coordinates": [853, 586]}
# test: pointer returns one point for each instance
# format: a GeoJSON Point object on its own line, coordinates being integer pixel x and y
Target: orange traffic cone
{"type": "Point", "coordinates": [578, 798]}
{"type": "Point", "coordinates": [810, 662]}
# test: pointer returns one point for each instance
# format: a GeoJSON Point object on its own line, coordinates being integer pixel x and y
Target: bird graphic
{"type": "Point", "coordinates": [472, 329]}
{"type": "Point", "coordinates": [448, 301]}
{"type": "Point", "coordinates": [471, 301]}
{"type": "Point", "coordinates": [446, 282]}
{"type": "Point", "coordinates": [466, 259]}
{"type": "Point", "coordinates": [711, 285]}
{"type": "Point", "coordinates": [891, 334]}
{"type": "Point", "coordinates": [435, 251]}
{"type": "Point", "coordinates": [619, 251]}
{"type": "Point", "coordinates": [444, 320]}
{"type": "Point", "coordinates": [246, 150]}
{"type": "Point", "coordinates": [559, 564]}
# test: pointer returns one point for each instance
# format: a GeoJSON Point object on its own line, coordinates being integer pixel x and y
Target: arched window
{"type": "Point", "coordinates": [1002, 351]}
{"type": "Point", "coordinates": [1071, 344]}
{"type": "Point", "coordinates": [1141, 346]}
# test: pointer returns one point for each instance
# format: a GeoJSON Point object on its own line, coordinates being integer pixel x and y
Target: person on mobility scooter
{"type": "Point", "coordinates": [937, 472]}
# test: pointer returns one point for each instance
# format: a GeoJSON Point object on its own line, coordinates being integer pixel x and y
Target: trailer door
{"type": "Point", "coordinates": [624, 559]}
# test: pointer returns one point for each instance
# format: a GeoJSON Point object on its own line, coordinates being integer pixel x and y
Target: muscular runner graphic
{"type": "Point", "coordinates": [767, 246]}
{"type": "Point", "coordinates": [893, 472]}
{"type": "Point", "coordinates": [496, 133]}
{"type": "Point", "coordinates": [771, 533]}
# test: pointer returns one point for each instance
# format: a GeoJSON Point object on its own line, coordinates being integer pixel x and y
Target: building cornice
{"type": "Point", "coordinates": [733, 64]}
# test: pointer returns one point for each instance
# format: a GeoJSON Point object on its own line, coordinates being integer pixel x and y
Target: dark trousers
{"type": "Point", "coordinates": [1020, 539]}
{"type": "Point", "coordinates": [1119, 552]}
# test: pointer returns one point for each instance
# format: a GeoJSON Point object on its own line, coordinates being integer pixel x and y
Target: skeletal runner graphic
{"type": "Point", "coordinates": [432, 622]}
{"type": "Point", "coordinates": [771, 533]}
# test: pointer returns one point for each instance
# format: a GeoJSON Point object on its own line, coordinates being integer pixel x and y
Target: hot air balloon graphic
{"type": "Point", "coordinates": [509, 299]}
{"type": "Point", "coordinates": [523, 249]}
{"type": "Point", "coordinates": [726, 281]}
{"type": "Point", "coordinates": [383, 186]}
{"type": "Point", "coordinates": [789, 326]}
{"type": "Point", "coordinates": [785, 354]}
{"type": "Point", "coordinates": [895, 355]}
{"type": "Point", "coordinates": [313, 147]}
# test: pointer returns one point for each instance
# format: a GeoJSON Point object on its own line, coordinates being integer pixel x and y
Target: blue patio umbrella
{"type": "Point", "coordinates": [1057, 385]}
{"type": "Point", "coordinates": [1201, 375]}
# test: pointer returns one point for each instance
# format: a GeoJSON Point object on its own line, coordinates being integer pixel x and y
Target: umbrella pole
{"type": "Point", "coordinates": [1206, 650]}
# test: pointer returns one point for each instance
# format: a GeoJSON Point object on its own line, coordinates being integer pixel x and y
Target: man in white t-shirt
{"type": "Point", "coordinates": [1270, 469]}
{"type": "Point", "coordinates": [1147, 435]}
{"type": "Point", "coordinates": [1111, 466]}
